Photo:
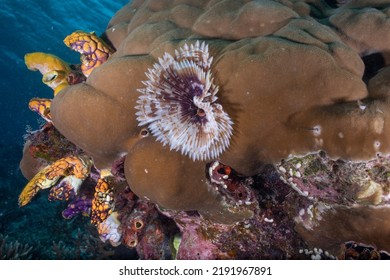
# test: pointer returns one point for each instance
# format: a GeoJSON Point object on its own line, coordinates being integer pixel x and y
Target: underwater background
{"type": "Point", "coordinates": [302, 171]}
{"type": "Point", "coordinates": [38, 231]}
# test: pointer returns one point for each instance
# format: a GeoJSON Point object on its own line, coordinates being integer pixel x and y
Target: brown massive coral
{"type": "Point", "coordinates": [290, 85]}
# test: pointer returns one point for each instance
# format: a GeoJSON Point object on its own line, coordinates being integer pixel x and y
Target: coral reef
{"type": "Point", "coordinates": [13, 250]}
{"type": "Point", "coordinates": [145, 229]}
{"type": "Point", "coordinates": [242, 129]}
{"type": "Point", "coordinates": [339, 200]}
{"type": "Point", "coordinates": [268, 234]}
{"type": "Point", "coordinates": [355, 251]}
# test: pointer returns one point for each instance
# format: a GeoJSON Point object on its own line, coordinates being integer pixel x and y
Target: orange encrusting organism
{"type": "Point", "coordinates": [94, 51]}
{"type": "Point", "coordinates": [49, 176]}
{"type": "Point", "coordinates": [41, 106]}
{"type": "Point", "coordinates": [103, 202]}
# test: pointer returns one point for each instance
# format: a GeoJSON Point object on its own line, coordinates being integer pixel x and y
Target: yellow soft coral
{"type": "Point", "coordinates": [54, 70]}
{"type": "Point", "coordinates": [94, 51]}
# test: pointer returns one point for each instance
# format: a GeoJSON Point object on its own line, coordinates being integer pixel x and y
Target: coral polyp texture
{"type": "Point", "coordinates": [178, 104]}
{"type": "Point", "coordinates": [223, 129]}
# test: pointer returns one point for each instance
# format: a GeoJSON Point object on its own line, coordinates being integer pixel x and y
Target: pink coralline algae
{"type": "Point", "coordinates": [222, 130]}
{"type": "Point", "coordinates": [269, 234]}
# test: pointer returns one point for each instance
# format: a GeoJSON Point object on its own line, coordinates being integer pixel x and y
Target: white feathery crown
{"type": "Point", "coordinates": [179, 105]}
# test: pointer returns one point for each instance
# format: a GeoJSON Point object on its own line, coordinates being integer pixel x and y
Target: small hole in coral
{"type": "Point", "coordinates": [335, 3]}
{"type": "Point", "coordinates": [138, 224]}
{"type": "Point", "coordinates": [53, 77]}
{"type": "Point", "coordinates": [373, 63]}
{"type": "Point", "coordinates": [49, 77]}
{"type": "Point", "coordinates": [322, 154]}
{"type": "Point", "coordinates": [225, 170]}
{"type": "Point", "coordinates": [201, 113]}
{"type": "Point", "coordinates": [144, 132]}
{"type": "Point", "coordinates": [133, 243]}
{"type": "Point", "coordinates": [221, 170]}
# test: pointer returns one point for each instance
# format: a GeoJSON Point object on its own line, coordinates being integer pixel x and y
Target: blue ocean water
{"type": "Point", "coordinates": [39, 25]}
{"type": "Point", "coordinates": [32, 26]}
